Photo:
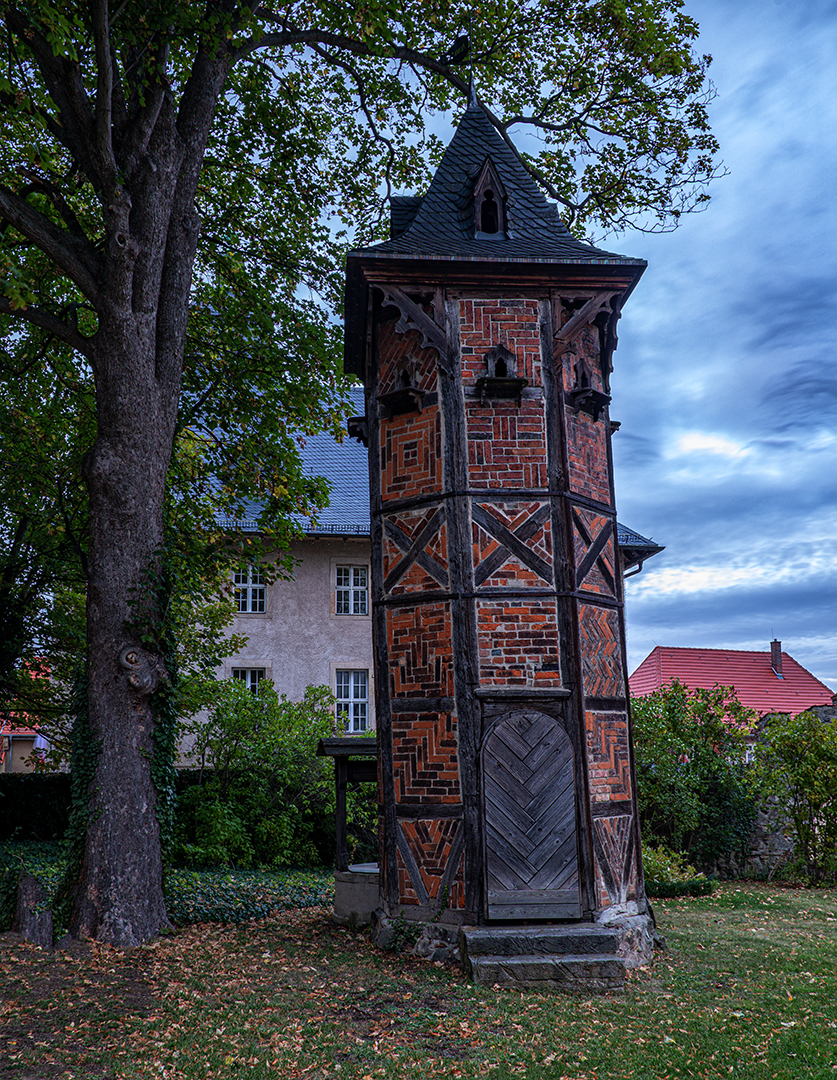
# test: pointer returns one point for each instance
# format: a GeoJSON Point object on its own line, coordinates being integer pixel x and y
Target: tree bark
{"type": "Point", "coordinates": [119, 896]}
{"type": "Point", "coordinates": [137, 359]}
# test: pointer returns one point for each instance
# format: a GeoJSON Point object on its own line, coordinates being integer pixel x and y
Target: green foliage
{"type": "Point", "coordinates": [693, 788]}
{"type": "Point", "coordinates": [264, 797]}
{"type": "Point", "coordinates": [404, 935]}
{"type": "Point", "coordinates": [201, 170]}
{"type": "Point", "coordinates": [362, 822]}
{"type": "Point", "coordinates": [44, 860]}
{"type": "Point", "coordinates": [671, 867]}
{"type": "Point", "coordinates": [45, 427]}
{"type": "Point", "coordinates": [219, 836]}
{"type": "Point", "coordinates": [796, 764]}
{"type": "Point", "coordinates": [667, 873]}
{"type": "Point", "coordinates": [34, 806]}
{"type": "Point", "coordinates": [226, 896]}
{"type": "Point", "coordinates": [234, 896]}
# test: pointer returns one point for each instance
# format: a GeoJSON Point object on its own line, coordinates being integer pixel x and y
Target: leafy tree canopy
{"type": "Point", "coordinates": [177, 182]}
{"type": "Point", "coordinates": [322, 113]}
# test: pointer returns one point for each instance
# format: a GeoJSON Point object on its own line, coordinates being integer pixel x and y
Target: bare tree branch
{"type": "Point", "coordinates": [73, 257]}
{"type": "Point", "coordinates": [104, 94]}
{"type": "Point", "coordinates": [45, 320]}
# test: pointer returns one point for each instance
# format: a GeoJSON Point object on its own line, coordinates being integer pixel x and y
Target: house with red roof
{"type": "Point", "coordinates": [769, 682]}
{"type": "Point", "coordinates": [16, 746]}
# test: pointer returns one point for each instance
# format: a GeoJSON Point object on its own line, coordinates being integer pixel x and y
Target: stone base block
{"type": "Point", "coordinates": [635, 930]}
{"type": "Point", "coordinates": [356, 895]}
{"type": "Point", "coordinates": [591, 974]}
{"type": "Point", "coordinates": [437, 941]}
{"type": "Point", "coordinates": [589, 958]}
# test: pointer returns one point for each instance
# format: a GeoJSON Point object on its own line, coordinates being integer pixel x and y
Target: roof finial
{"type": "Point", "coordinates": [472, 90]}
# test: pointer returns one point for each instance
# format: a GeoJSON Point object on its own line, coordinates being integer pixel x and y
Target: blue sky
{"type": "Point", "coordinates": [725, 379]}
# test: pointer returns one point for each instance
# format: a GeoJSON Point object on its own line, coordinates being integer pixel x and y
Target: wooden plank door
{"type": "Point", "coordinates": [530, 820]}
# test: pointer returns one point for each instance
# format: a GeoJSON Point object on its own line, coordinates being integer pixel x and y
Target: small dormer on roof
{"type": "Point", "coordinates": [489, 204]}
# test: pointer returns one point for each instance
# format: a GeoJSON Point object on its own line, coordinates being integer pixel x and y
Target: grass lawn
{"type": "Point", "coordinates": [748, 989]}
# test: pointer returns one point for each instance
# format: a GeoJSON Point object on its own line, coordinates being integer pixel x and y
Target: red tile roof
{"type": "Point", "coordinates": [750, 673]}
{"type": "Point", "coordinates": [8, 728]}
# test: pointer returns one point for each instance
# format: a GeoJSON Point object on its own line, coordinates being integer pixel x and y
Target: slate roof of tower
{"type": "Point", "coordinates": [443, 225]}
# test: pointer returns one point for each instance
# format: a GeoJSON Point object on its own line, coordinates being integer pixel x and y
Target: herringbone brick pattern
{"type": "Point", "coordinates": [601, 651]}
{"type": "Point", "coordinates": [411, 455]}
{"type": "Point", "coordinates": [431, 843]}
{"type": "Point", "coordinates": [608, 756]}
{"type": "Point", "coordinates": [420, 651]}
{"type": "Point", "coordinates": [425, 758]}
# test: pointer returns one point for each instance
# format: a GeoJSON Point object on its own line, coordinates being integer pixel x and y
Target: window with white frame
{"type": "Point", "coordinates": [352, 693]}
{"type": "Point", "coordinates": [351, 590]}
{"type": "Point", "coordinates": [251, 676]}
{"type": "Point", "coordinates": [249, 591]}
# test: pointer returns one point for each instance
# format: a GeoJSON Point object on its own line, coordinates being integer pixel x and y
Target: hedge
{"type": "Point", "coordinates": [701, 886]}
{"type": "Point", "coordinates": [36, 806]}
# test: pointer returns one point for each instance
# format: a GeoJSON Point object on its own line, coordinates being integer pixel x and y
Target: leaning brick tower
{"type": "Point", "coordinates": [483, 332]}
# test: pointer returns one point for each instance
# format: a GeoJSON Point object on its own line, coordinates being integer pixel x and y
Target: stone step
{"type": "Point", "coordinates": [574, 939]}
{"type": "Point", "coordinates": [593, 973]}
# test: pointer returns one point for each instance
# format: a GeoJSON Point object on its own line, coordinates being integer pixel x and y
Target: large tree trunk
{"type": "Point", "coordinates": [119, 896]}
{"type": "Point", "coordinates": [152, 234]}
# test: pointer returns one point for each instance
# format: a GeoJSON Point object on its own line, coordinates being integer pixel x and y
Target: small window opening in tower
{"type": "Point", "coordinates": [500, 371]}
{"type": "Point", "coordinates": [489, 213]}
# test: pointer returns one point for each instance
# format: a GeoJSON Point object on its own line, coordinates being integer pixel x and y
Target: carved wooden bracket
{"type": "Point", "coordinates": [608, 337]}
{"type": "Point", "coordinates": [414, 318]}
{"type": "Point", "coordinates": [358, 428]}
{"type": "Point", "coordinates": [585, 316]}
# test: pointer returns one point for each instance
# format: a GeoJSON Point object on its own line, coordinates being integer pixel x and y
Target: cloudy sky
{"type": "Point", "coordinates": [726, 375]}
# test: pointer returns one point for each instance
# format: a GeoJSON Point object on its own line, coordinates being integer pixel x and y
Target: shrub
{"type": "Point", "coordinates": [263, 796]}
{"type": "Point", "coordinates": [693, 789]}
{"type": "Point", "coordinates": [667, 873]}
{"type": "Point", "coordinates": [229, 896]}
{"type": "Point", "coordinates": [796, 764]}
{"type": "Point", "coordinates": [218, 836]}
